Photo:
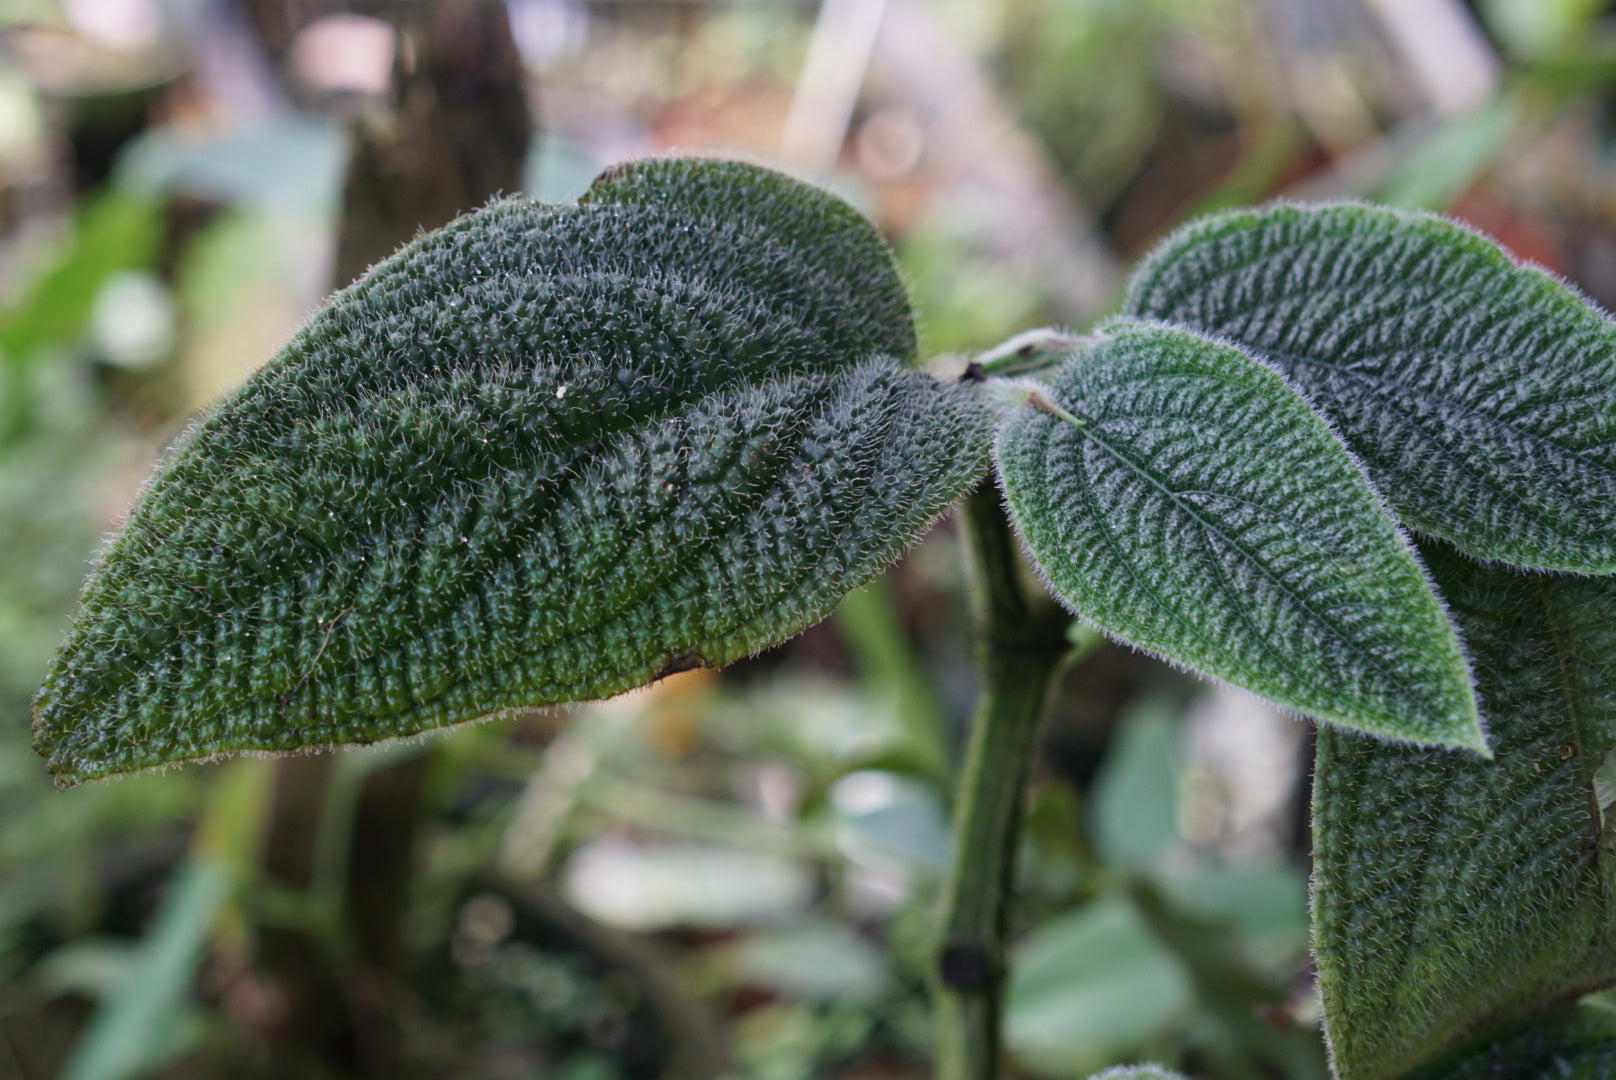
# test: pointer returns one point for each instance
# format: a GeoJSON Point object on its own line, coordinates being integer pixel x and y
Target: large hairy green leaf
{"type": "Point", "coordinates": [1576, 1044]}
{"type": "Point", "coordinates": [825, 232]}
{"type": "Point", "coordinates": [1201, 511]}
{"type": "Point", "coordinates": [1451, 893]}
{"type": "Point", "coordinates": [541, 455]}
{"type": "Point", "coordinates": [1480, 394]}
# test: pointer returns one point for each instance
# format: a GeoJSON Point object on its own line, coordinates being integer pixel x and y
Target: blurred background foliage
{"type": "Point", "coordinates": [725, 875]}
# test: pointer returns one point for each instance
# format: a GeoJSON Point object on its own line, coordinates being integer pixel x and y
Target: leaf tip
{"type": "Point", "coordinates": [1476, 743]}
{"type": "Point", "coordinates": [1469, 729]}
{"type": "Point", "coordinates": [1462, 729]}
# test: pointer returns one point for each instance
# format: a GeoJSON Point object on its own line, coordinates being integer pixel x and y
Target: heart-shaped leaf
{"type": "Point", "coordinates": [1576, 1044]}
{"type": "Point", "coordinates": [1479, 394]}
{"type": "Point", "coordinates": [541, 455]}
{"type": "Point", "coordinates": [1451, 893]}
{"type": "Point", "coordinates": [1192, 504]}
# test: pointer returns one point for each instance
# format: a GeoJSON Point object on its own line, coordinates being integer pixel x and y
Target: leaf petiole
{"type": "Point", "coordinates": [1031, 351]}
{"type": "Point", "coordinates": [1044, 403]}
{"type": "Point", "coordinates": [1009, 393]}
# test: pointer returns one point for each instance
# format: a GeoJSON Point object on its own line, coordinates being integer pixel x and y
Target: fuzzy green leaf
{"type": "Point", "coordinates": [1137, 1072]}
{"type": "Point", "coordinates": [1576, 1044]}
{"type": "Point", "coordinates": [1204, 513]}
{"type": "Point", "coordinates": [1479, 394]}
{"type": "Point", "coordinates": [828, 232]}
{"type": "Point", "coordinates": [541, 455]}
{"type": "Point", "coordinates": [1450, 893]}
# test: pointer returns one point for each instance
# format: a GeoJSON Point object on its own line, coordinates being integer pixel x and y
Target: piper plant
{"type": "Point", "coordinates": [1355, 460]}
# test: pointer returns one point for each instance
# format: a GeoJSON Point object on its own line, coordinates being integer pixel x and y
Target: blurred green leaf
{"type": "Point", "coordinates": [1261, 900]}
{"type": "Point", "coordinates": [1449, 160]}
{"type": "Point", "coordinates": [1134, 816]}
{"type": "Point", "coordinates": [557, 169]}
{"type": "Point", "coordinates": [815, 961]}
{"type": "Point", "coordinates": [114, 232]}
{"type": "Point", "coordinates": [1270, 149]}
{"type": "Point", "coordinates": [119, 230]}
{"type": "Point", "coordinates": [93, 967]}
{"type": "Point", "coordinates": [1539, 29]}
{"type": "Point", "coordinates": [970, 298]}
{"type": "Point", "coordinates": [1089, 987]}
{"type": "Point", "coordinates": [892, 817]}
{"type": "Point", "coordinates": [232, 284]}
{"type": "Point", "coordinates": [292, 164]}
{"type": "Point", "coordinates": [1082, 76]}
{"type": "Point", "coordinates": [141, 1024]}
{"type": "Point", "coordinates": [144, 1017]}
{"type": "Point", "coordinates": [787, 1041]}
{"type": "Point", "coordinates": [1137, 1072]}
{"type": "Point", "coordinates": [1231, 989]}
{"type": "Point", "coordinates": [868, 622]}
{"type": "Point", "coordinates": [658, 885]}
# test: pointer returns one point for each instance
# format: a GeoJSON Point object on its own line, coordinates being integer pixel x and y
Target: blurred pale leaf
{"type": "Point", "coordinates": [1135, 793]}
{"type": "Point", "coordinates": [1088, 987]}
{"type": "Point", "coordinates": [119, 230]}
{"type": "Point", "coordinates": [292, 164]}
{"type": "Point", "coordinates": [656, 886]}
{"type": "Point", "coordinates": [815, 961]}
{"type": "Point", "coordinates": [1137, 1072]}
{"type": "Point", "coordinates": [141, 1023]}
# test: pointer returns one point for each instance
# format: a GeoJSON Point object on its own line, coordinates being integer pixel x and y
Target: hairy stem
{"type": "Point", "coordinates": [1020, 646]}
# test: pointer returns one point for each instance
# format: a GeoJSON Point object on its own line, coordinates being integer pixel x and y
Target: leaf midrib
{"type": "Point", "coordinates": [1524, 509]}
{"type": "Point", "coordinates": [416, 707]}
{"type": "Point", "coordinates": [1276, 252]}
{"type": "Point", "coordinates": [380, 644]}
{"type": "Point", "coordinates": [1173, 496]}
{"type": "Point", "coordinates": [722, 303]}
{"type": "Point", "coordinates": [1443, 402]}
{"type": "Point", "coordinates": [657, 586]}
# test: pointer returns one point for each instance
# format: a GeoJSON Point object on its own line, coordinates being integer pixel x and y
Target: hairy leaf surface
{"type": "Point", "coordinates": [1451, 893]}
{"type": "Point", "coordinates": [541, 455]}
{"type": "Point", "coordinates": [1137, 1072]}
{"type": "Point", "coordinates": [1576, 1044]}
{"type": "Point", "coordinates": [1204, 513]}
{"type": "Point", "coordinates": [826, 231]}
{"type": "Point", "coordinates": [1480, 394]}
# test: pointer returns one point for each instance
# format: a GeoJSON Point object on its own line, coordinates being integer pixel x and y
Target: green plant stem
{"type": "Point", "coordinates": [1020, 646]}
